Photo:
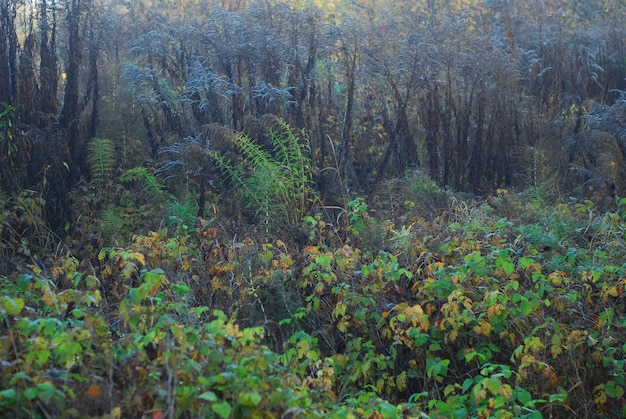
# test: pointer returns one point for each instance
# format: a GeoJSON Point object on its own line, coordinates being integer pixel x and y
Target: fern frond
{"type": "Point", "coordinates": [236, 175]}
{"type": "Point", "coordinates": [113, 224]}
{"type": "Point", "coordinates": [147, 179]}
{"type": "Point", "coordinates": [182, 213]}
{"type": "Point", "coordinates": [101, 159]}
{"type": "Point", "coordinates": [257, 157]}
{"type": "Point", "coordinates": [276, 181]}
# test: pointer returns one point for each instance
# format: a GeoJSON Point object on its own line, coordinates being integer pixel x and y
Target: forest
{"type": "Point", "coordinates": [312, 208]}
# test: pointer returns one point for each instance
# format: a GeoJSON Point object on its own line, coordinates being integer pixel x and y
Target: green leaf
{"type": "Point", "coordinates": [421, 339]}
{"type": "Point", "coordinates": [78, 313]}
{"type": "Point", "coordinates": [266, 257]}
{"type": "Point", "coordinates": [30, 393]}
{"type": "Point", "coordinates": [525, 306]}
{"type": "Point", "coordinates": [208, 396]}
{"type": "Point", "coordinates": [561, 397]}
{"type": "Point", "coordinates": [13, 306]}
{"type": "Point", "coordinates": [507, 266]}
{"type": "Point", "coordinates": [324, 261]}
{"type": "Point", "coordinates": [19, 376]}
{"type": "Point", "coordinates": [45, 392]}
{"type": "Point", "coordinates": [467, 384]}
{"type": "Point", "coordinates": [24, 281]}
{"type": "Point", "coordinates": [180, 288]}
{"type": "Point", "coordinates": [388, 411]}
{"type": "Point", "coordinates": [493, 384]}
{"type": "Point", "coordinates": [223, 409]}
{"type": "Point", "coordinates": [525, 262]}
{"type": "Point", "coordinates": [523, 396]}
{"type": "Point", "coordinates": [8, 394]}
{"type": "Point", "coordinates": [66, 351]}
{"type": "Point", "coordinates": [250, 399]}
{"type": "Point", "coordinates": [613, 390]}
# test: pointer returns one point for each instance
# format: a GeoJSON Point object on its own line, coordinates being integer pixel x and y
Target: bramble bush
{"type": "Point", "coordinates": [473, 315]}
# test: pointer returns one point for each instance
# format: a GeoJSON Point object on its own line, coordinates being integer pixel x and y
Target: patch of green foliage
{"type": "Point", "coordinates": [276, 181]}
{"type": "Point", "coordinates": [472, 314]}
{"type": "Point", "coordinates": [101, 159]}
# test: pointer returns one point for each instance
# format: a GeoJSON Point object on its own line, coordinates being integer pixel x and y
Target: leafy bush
{"type": "Point", "coordinates": [486, 317]}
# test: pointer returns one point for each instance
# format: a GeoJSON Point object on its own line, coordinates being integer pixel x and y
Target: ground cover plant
{"type": "Point", "coordinates": [478, 315]}
{"type": "Point", "coordinates": [287, 209]}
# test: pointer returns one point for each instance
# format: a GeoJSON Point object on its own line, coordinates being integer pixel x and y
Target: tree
{"type": "Point", "coordinates": [8, 52]}
{"type": "Point", "coordinates": [70, 113]}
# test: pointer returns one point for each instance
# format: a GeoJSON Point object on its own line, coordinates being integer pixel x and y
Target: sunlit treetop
{"type": "Point", "coordinates": [570, 12]}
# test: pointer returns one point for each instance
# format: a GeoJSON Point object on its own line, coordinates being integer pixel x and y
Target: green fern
{"type": "Point", "coordinates": [277, 184]}
{"type": "Point", "coordinates": [101, 159]}
{"type": "Point", "coordinates": [182, 214]}
{"type": "Point", "coordinates": [146, 179]}
{"type": "Point", "coordinates": [113, 224]}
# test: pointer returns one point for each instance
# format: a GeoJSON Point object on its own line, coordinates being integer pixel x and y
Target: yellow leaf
{"type": "Point", "coordinates": [467, 303]}
{"type": "Point", "coordinates": [413, 311]}
{"type": "Point", "coordinates": [495, 309]}
{"type": "Point", "coordinates": [557, 277]}
{"type": "Point", "coordinates": [342, 326]}
{"type": "Point", "coordinates": [506, 391]}
{"type": "Point", "coordinates": [139, 257]}
{"type": "Point", "coordinates": [401, 381]}
{"type": "Point", "coordinates": [600, 399]}
{"type": "Point", "coordinates": [484, 328]}
{"type": "Point", "coordinates": [48, 297]}
{"type": "Point", "coordinates": [609, 292]}
{"type": "Point", "coordinates": [233, 330]}
{"type": "Point", "coordinates": [479, 395]}
{"type": "Point", "coordinates": [575, 336]}
{"type": "Point", "coordinates": [96, 295]}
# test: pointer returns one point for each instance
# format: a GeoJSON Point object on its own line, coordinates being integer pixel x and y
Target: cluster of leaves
{"type": "Point", "coordinates": [111, 209]}
{"type": "Point", "coordinates": [485, 317]}
{"type": "Point", "coordinates": [160, 355]}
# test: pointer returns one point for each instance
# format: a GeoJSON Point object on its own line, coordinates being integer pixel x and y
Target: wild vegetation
{"type": "Point", "coordinates": [296, 209]}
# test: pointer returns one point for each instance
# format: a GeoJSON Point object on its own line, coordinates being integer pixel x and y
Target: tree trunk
{"type": "Point", "coordinates": [346, 131]}
{"type": "Point", "coordinates": [8, 52]}
{"type": "Point", "coordinates": [93, 89]}
{"type": "Point", "coordinates": [70, 113]}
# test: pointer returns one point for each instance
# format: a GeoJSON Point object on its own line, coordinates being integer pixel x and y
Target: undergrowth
{"type": "Point", "coordinates": [465, 310]}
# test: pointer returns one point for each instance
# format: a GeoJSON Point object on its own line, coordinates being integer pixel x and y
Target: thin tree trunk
{"type": "Point", "coordinates": [8, 52]}
{"type": "Point", "coordinates": [48, 70]}
{"type": "Point", "coordinates": [70, 114]}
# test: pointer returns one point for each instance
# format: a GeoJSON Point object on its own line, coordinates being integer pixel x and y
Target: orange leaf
{"type": "Point", "coordinates": [94, 390]}
{"type": "Point", "coordinates": [157, 414]}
